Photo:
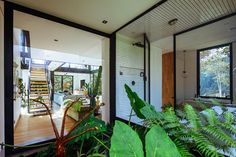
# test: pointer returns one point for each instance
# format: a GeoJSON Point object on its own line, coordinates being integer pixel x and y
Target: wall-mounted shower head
{"type": "Point", "coordinates": [138, 44]}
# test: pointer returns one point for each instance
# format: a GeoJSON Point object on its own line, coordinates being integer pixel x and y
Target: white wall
{"type": "Point", "coordinates": [186, 87]}
{"type": "Point", "coordinates": [1, 74]}
{"type": "Point", "coordinates": [156, 77]}
{"type": "Point", "coordinates": [130, 61]}
{"type": "Point", "coordinates": [106, 80]}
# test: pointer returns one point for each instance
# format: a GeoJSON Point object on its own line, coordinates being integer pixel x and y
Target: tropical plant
{"type": "Point", "coordinates": [76, 104]}
{"type": "Point", "coordinates": [79, 130]}
{"type": "Point", "coordinates": [97, 86]}
{"type": "Point", "coordinates": [206, 134]}
{"type": "Point", "coordinates": [22, 92]}
{"type": "Point", "coordinates": [126, 142]}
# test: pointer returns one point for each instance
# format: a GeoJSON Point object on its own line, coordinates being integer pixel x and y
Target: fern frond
{"type": "Point", "coordinates": [228, 127]}
{"type": "Point", "coordinates": [182, 148]}
{"type": "Point", "coordinates": [192, 116]}
{"type": "Point", "coordinates": [211, 116]}
{"type": "Point", "coordinates": [229, 117]}
{"type": "Point", "coordinates": [204, 146]}
{"type": "Point", "coordinates": [219, 134]}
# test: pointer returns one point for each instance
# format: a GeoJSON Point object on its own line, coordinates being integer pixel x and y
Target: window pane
{"type": "Point", "coordinates": [215, 72]}
{"type": "Point", "coordinates": [57, 83]}
{"type": "Point", "coordinates": [68, 83]}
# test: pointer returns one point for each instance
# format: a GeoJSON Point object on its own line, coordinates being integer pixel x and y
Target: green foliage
{"type": "Point", "coordinates": [135, 102]}
{"type": "Point", "coordinates": [77, 104]}
{"type": "Point", "coordinates": [126, 142]}
{"type": "Point", "coordinates": [192, 116]}
{"type": "Point", "coordinates": [97, 85]}
{"type": "Point", "coordinates": [90, 123]}
{"type": "Point", "coordinates": [214, 76]}
{"type": "Point", "coordinates": [159, 144]}
{"type": "Point", "coordinates": [205, 133]}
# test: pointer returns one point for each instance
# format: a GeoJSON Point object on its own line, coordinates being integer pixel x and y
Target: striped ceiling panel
{"type": "Point", "coordinates": [190, 13]}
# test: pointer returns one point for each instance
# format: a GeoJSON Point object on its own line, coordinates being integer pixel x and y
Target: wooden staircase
{"type": "Point", "coordinates": [38, 88]}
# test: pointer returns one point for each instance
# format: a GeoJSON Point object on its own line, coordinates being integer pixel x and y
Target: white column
{"type": "Point", "coordinates": [2, 74]}
{"type": "Point", "coordinates": [106, 80]}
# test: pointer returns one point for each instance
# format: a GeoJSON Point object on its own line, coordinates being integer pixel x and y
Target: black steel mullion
{"type": "Point", "coordinates": [144, 77]}
{"type": "Point", "coordinates": [8, 78]}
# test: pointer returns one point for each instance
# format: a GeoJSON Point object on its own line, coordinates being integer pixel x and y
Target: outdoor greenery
{"type": "Point", "coordinates": [215, 72]}
{"type": "Point", "coordinates": [63, 83]}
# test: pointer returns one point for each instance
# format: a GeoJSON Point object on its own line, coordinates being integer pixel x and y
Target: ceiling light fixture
{"type": "Point", "coordinates": [104, 21]}
{"type": "Point", "coordinates": [173, 22]}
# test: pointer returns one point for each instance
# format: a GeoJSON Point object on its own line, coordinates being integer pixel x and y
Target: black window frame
{"type": "Point", "coordinates": [231, 72]}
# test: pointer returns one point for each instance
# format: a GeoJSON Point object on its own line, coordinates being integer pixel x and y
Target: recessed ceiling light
{"type": "Point", "coordinates": [173, 22]}
{"type": "Point", "coordinates": [56, 40]}
{"type": "Point", "coordinates": [104, 21]}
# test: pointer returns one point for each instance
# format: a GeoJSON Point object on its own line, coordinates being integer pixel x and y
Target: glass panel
{"type": "Point", "coordinates": [60, 58]}
{"type": "Point", "coordinates": [204, 64]}
{"type": "Point", "coordinates": [58, 83]}
{"type": "Point", "coordinates": [215, 72]}
{"type": "Point", "coordinates": [68, 83]}
{"type": "Point", "coordinates": [130, 71]}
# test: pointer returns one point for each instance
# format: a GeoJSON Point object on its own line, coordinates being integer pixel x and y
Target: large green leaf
{"type": "Point", "coordinates": [158, 144]}
{"type": "Point", "coordinates": [149, 112]}
{"type": "Point", "coordinates": [136, 103]}
{"type": "Point", "coordinates": [125, 142]}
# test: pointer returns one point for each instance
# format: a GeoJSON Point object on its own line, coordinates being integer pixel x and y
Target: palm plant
{"type": "Point", "coordinates": [207, 133]}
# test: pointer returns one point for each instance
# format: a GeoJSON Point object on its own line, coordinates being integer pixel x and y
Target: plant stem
{"type": "Point", "coordinates": [81, 147]}
{"type": "Point", "coordinates": [130, 115]}
{"type": "Point", "coordinates": [100, 142]}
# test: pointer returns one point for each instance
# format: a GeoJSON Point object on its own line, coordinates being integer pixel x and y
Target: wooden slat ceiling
{"type": "Point", "coordinates": [189, 13]}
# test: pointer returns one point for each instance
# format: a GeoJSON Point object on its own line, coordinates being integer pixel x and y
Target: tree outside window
{"type": "Point", "coordinates": [214, 72]}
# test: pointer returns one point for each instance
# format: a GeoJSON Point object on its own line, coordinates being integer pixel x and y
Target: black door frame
{"type": "Point", "coordinates": [9, 9]}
